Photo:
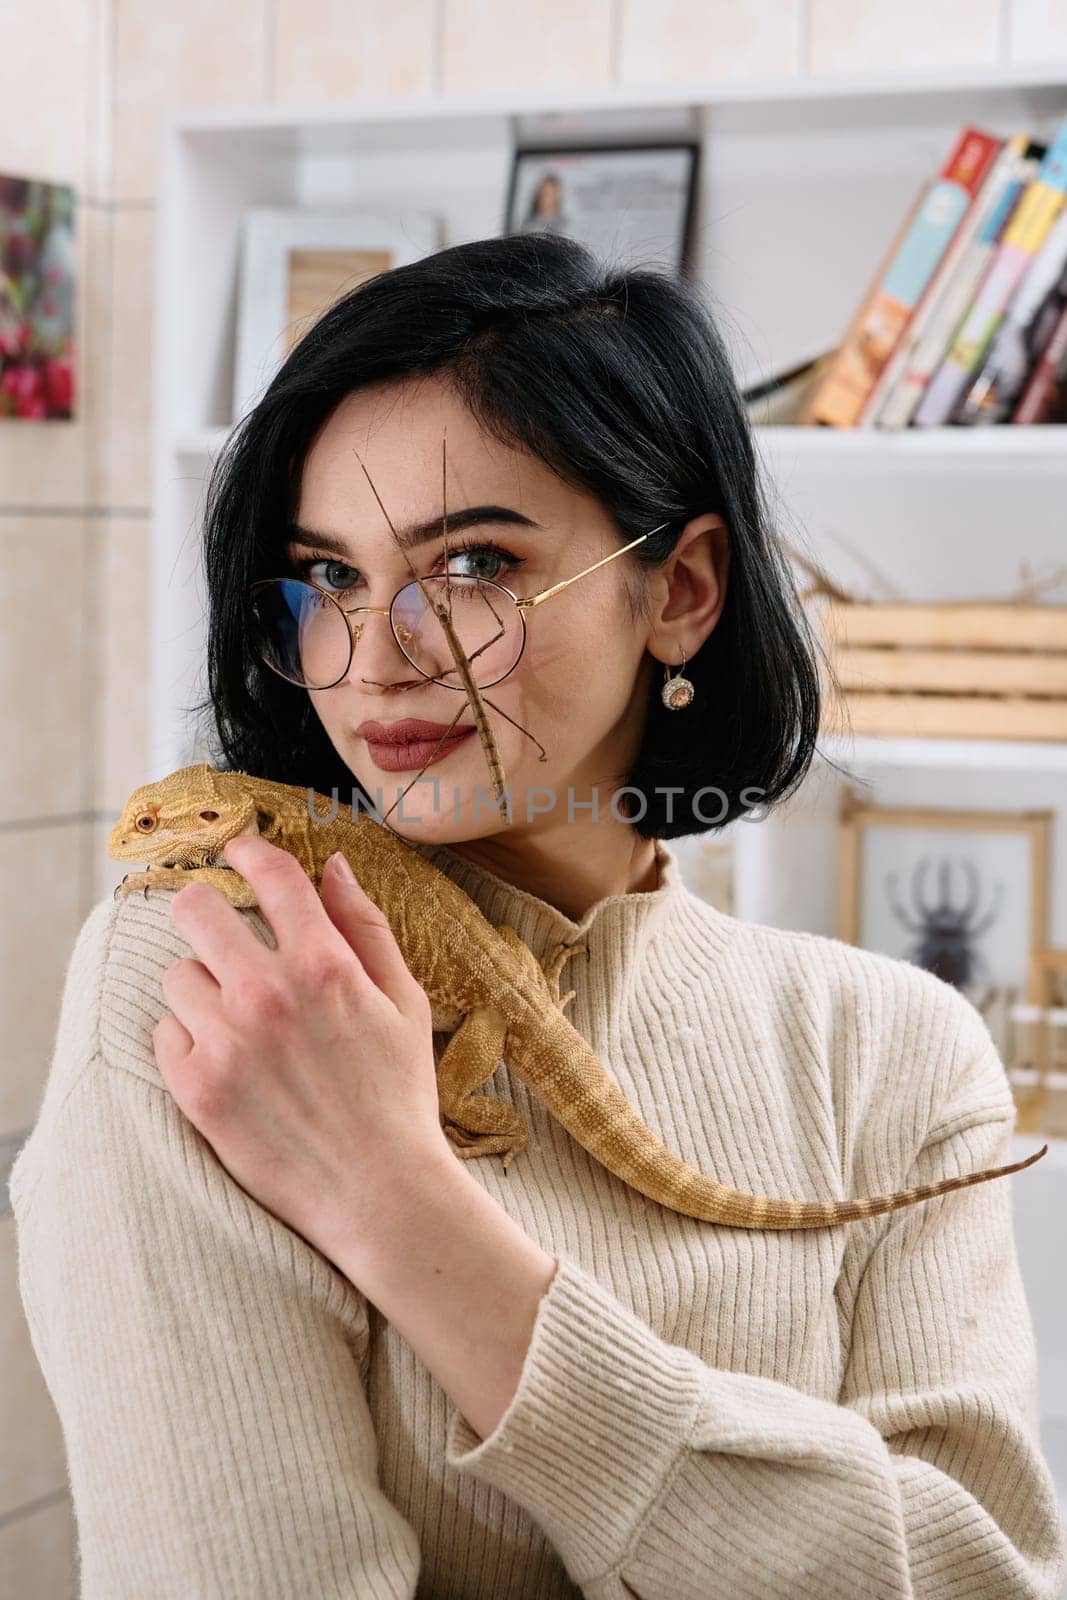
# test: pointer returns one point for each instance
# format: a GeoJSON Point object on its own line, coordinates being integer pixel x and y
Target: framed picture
{"type": "Point", "coordinates": [962, 893]}
{"type": "Point", "coordinates": [38, 290]}
{"type": "Point", "coordinates": [631, 203]}
{"type": "Point", "coordinates": [297, 263]}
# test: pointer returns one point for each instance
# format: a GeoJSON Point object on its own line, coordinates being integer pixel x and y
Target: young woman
{"type": "Point", "coordinates": [299, 1344]}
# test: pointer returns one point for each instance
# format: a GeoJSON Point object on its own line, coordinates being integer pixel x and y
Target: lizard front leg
{"type": "Point", "coordinates": [485, 1126]}
{"type": "Point", "coordinates": [548, 974]}
{"type": "Point", "coordinates": [554, 966]}
{"type": "Point", "coordinates": [232, 885]}
{"type": "Point", "coordinates": [481, 1126]}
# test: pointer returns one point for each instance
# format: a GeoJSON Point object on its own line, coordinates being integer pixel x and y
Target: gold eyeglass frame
{"type": "Point", "coordinates": [355, 629]}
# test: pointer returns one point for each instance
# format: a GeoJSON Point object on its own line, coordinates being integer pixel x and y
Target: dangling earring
{"type": "Point", "coordinates": [677, 691]}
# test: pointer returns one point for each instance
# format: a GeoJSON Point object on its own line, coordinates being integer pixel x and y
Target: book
{"type": "Point", "coordinates": [853, 330]}
{"type": "Point", "coordinates": [1022, 335]}
{"type": "Point", "coordinates": [887, 308]}
{"type": "Point", "coordinates": [777, 400]}
{"type": "Point", "coordinates": [1045, 397]}
{"type": "Point", "coordinates": [952, 288]}
{"type": "Point", "coordinates": [1027, 231]}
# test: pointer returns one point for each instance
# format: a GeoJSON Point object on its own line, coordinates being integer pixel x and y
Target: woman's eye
{"type": "Point", "coordinates": [480, 552]}
{"type": "Point", "coordinates": [335, 575]}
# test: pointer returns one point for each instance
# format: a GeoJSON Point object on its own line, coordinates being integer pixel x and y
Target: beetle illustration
{"type": "Point", "coordinates": [948, 933]}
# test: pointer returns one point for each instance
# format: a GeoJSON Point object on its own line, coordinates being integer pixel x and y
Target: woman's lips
{"type": "Point", "coordinates": [418, 753]}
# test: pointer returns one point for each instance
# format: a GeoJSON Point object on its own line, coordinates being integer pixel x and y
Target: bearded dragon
{"type": "Point", "coordinates": [483, 981]}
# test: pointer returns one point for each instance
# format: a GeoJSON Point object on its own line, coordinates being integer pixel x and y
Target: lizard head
{"type": "Point", "coordinates": [184, 819]}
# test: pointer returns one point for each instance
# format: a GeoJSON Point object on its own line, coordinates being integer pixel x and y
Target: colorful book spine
{"type": "Point", "coordinates": [952, 289]}
{"type": "Point", "coordinates": [1021, 337]}
{"type": "Point", "coordinates": [1045, 397]}
{"type": "Point", "coordinates": [1025, 234]}
{"type": "Point", "coordinates": [886, 311]}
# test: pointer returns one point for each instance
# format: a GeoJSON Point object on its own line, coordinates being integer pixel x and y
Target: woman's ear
{"type": "Point", "coordinates": [690, 588]}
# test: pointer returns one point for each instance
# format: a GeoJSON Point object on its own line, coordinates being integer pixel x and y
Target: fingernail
{"type": "Point", "coordinates": [340, 867]}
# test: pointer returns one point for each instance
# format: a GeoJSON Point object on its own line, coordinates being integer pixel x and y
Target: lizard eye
{"type": "Point", "coordinates": [146, 822]}
{"type": "Point", "coordinates": [209, 816]}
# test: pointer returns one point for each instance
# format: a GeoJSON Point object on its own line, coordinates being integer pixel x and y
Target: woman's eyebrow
{"type": "Point", "coordinates": [418, 533]}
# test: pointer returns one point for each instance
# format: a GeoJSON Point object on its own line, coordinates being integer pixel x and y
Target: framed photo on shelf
{"type": "Point", "coordinates": [627, 203]}
{"type": "Point", "coordinates": [963, 894]}
{"type": "Point", "coordinates": [297, 263]}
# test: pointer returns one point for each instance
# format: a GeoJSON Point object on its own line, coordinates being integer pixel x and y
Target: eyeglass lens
{"type": "Point", "coordinates": [302, 633]}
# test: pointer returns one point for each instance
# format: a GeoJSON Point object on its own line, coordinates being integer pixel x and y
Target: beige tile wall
{"type": "Point", "coordinates": [660, 40]}
{"type": "Point", "coordinates": [553, 42]}
{"type": "Point", "coordinates": [1036, 29]}
{"type": "Point", "coordinates": [83, 86]}
{"type": "Point", "coordinates": [846, 37]}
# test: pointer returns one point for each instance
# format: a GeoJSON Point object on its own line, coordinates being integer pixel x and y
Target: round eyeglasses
{"type": "Point", "coordinates": [305, 634]}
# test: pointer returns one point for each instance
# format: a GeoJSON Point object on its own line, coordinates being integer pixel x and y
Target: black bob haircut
{"type": "Point", "coordinates": [617, 379]}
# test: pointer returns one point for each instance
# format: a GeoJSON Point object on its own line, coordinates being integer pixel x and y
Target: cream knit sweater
{"type": "Point", "coordinates": [703, 1413]}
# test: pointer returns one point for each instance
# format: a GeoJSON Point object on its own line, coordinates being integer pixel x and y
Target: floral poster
{"type": "Point", "coordinates": [37, 292]}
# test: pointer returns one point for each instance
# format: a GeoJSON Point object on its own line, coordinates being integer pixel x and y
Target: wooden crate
{"type": "Point", "coordinates": [955, 670]}
{"type": "Point", "coordinates": [1037, 1070]}
{"type": "Point", "coordinates": [1044, 1115]}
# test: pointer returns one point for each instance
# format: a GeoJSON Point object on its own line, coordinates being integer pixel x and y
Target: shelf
{"type": "Point", "coordinates": [1023, 1145]}
{"type": "Point", "coordinates": [839, 447]}
{"type": "Point", "coordinates": [311, 126]}
{"type": "Point", "coordinates": [1003, 755]}
{"type": "Point", "coordinates": [966, 445]}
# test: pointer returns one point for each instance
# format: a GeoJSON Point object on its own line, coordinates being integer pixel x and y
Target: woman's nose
{"type": "Point", "coordinates": [377, 658]}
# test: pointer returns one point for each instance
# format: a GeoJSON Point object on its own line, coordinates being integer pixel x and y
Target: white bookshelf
{"type": "Point", "coordinates": [961, 755]}
{"type": "Point", "coordinates": [914, 449]}
{"type": "Point", "coordinates": [800, 187]}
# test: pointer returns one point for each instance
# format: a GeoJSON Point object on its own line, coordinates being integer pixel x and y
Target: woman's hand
{"type": "Point", "coordinates": [308, 1068]}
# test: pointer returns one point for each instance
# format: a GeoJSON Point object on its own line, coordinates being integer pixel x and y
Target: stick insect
{"type": "Point", "coordinates": [473, 694]}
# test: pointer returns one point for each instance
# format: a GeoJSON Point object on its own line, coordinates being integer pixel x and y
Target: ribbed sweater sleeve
{"type": "Point", "coordinates": [206, 1362]}
{"type": "Point", "coordinates": [658, 1476]}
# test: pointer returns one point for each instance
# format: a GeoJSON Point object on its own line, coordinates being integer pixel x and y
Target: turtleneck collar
{"type": "Point", "coordinates": [617, 928]}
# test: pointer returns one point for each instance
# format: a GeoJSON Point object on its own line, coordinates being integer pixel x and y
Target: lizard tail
{"type": "Point", "coordinates": [592, 1108]}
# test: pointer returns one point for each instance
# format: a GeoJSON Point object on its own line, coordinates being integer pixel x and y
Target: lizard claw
{"type": "Point", "coordinates": [554, 965]}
